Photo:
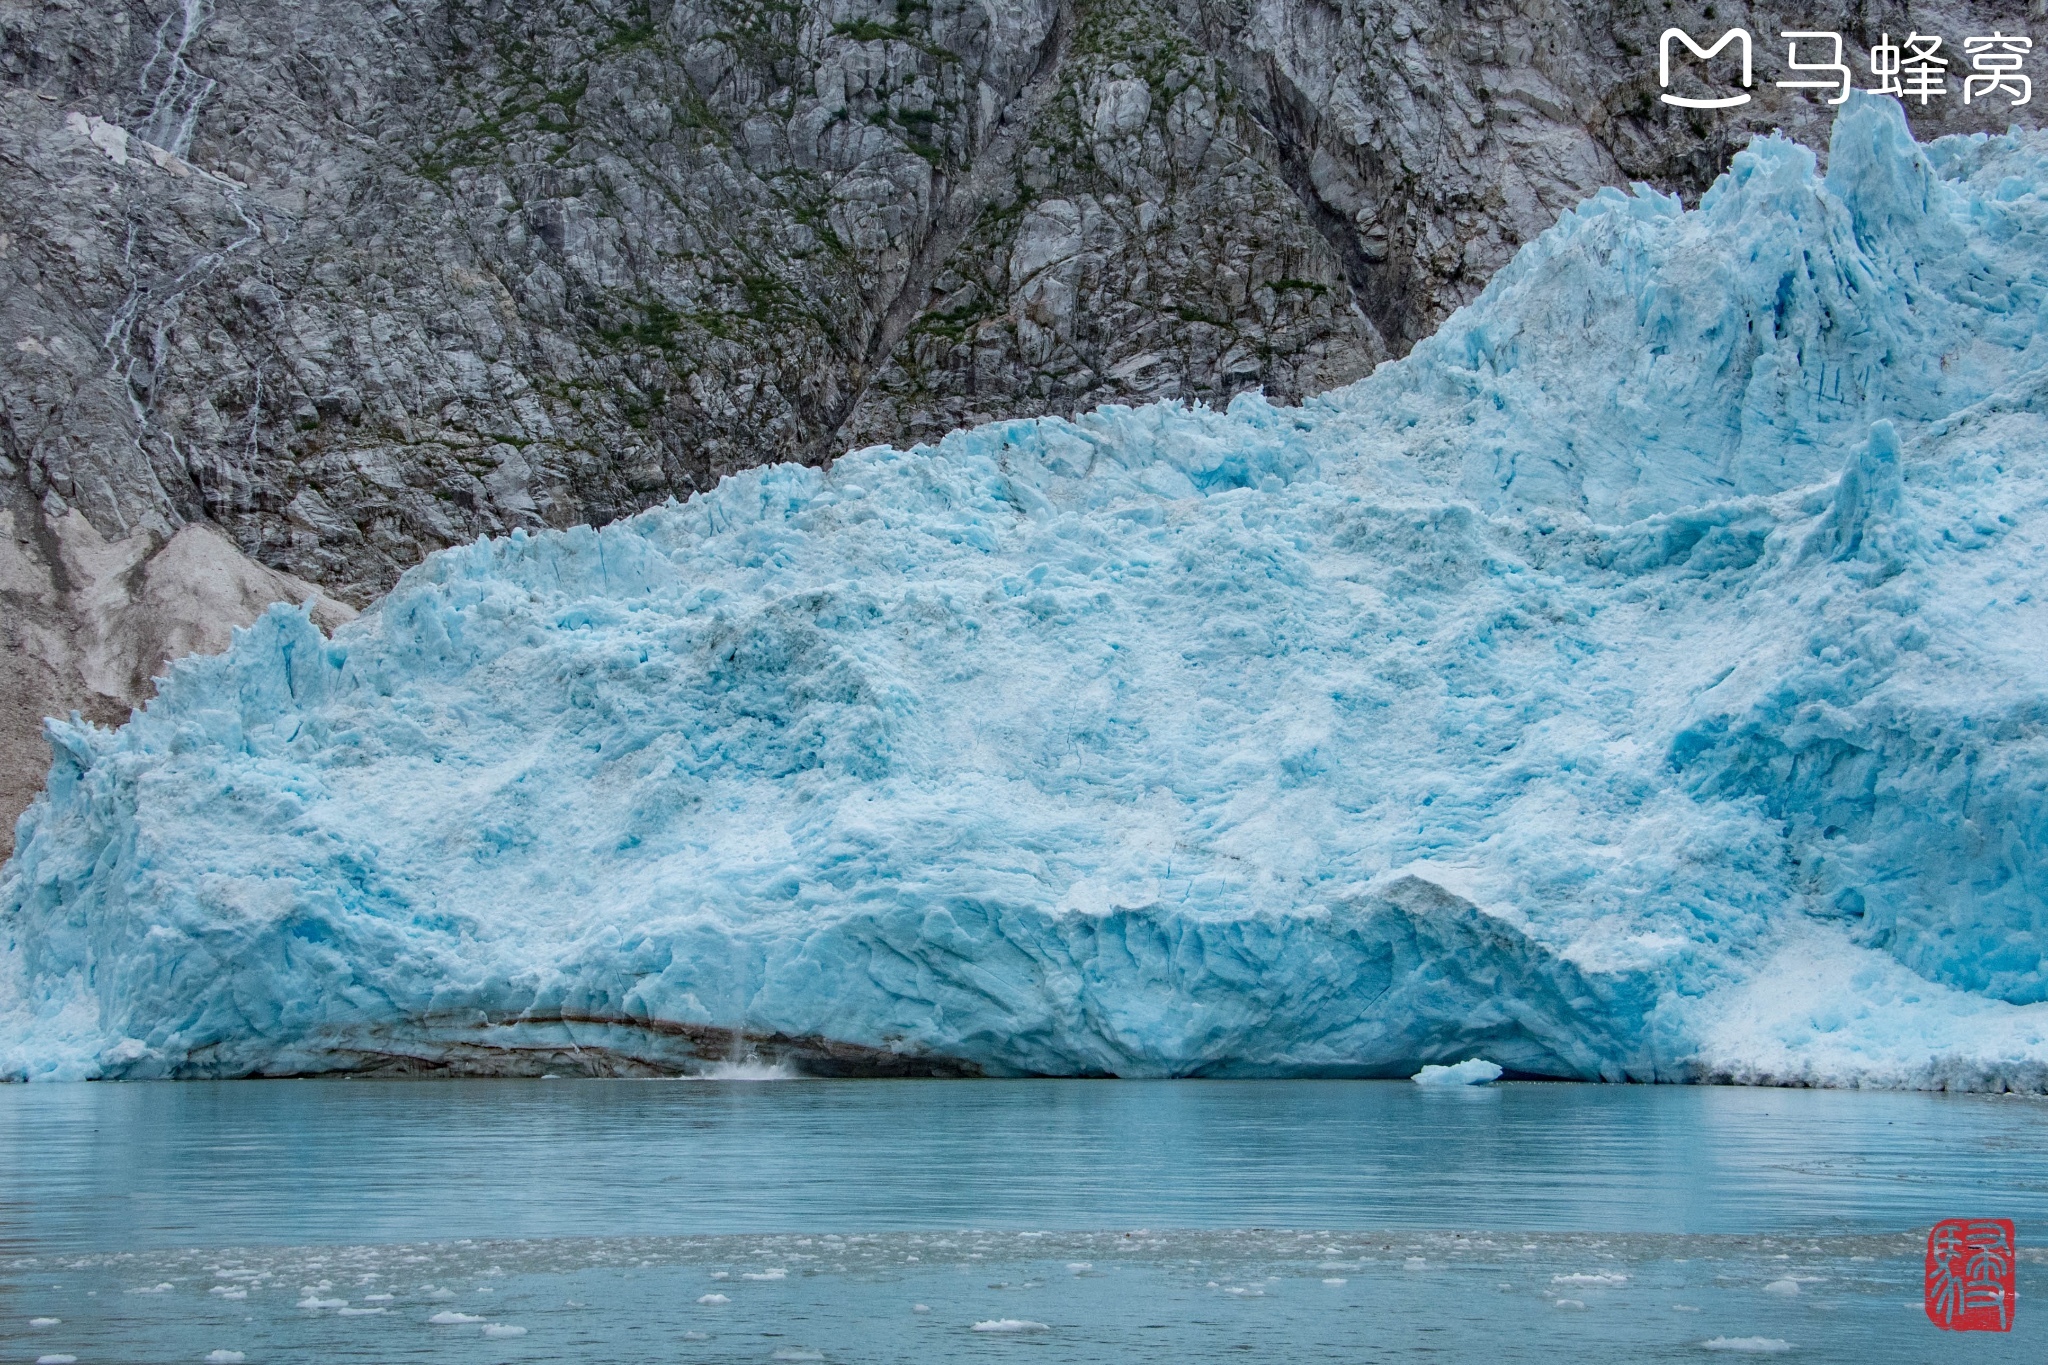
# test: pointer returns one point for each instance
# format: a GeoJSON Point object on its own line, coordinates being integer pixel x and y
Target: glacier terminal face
{"type": "Point", "coordinates": [1644, 679]}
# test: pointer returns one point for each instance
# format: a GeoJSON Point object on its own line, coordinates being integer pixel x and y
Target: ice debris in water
{"type": "Point", "coordinates": [448, 1317]}
{"type": "Point", "coordinates": [1010, 1325]}
{"type": "Point", "coordinates": [1641, 679]}
{"type": "Point", "coordinates": [225, 1358]}
{"type": "Point", "coordinates": [1754, 1345]}
{"type": "Point", "coordinates": [498, 1329]}
{"type": "Point", "coordinates": [1471, 1071]}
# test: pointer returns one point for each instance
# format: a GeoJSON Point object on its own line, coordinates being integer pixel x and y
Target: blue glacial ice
{"type": "Point", "coordinates": [1645, 679]}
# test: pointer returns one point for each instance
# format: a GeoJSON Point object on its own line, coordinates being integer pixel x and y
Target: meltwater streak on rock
{"type": "Point", "coordinates": [1637, 681]}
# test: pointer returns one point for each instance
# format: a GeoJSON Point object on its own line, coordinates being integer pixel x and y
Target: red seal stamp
{"type": "Point", "coordinates": [1971, 1266]}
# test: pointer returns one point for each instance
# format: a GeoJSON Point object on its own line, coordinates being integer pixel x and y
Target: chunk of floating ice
{"type": "Point", "coordinates": [378, 1298]}
{"type": "Point", "coordinates": [433, 1293]}
{"type": "Point", "coordinates": [771, 1274]}
{"type": "Point", "coordinates": [1756, 1345]}
{"type": "Point", "coordinates": [1240, 1292]}
{"type": "Point", "coordinates": [314, 1302]}
{"type": "Point", "coordinates": [448, 1317]}
{"type": "Point", "coordinates": [721, 1274]}
{"type": "Point", "coordinates": [1009, 1325]}
{"type": "Point", "coordinates": [499, 1329]}
{"type": "Point", "coordinates": [1471, 1071]}
{"type": "Point", "coordinates": [1415, 1263]}
{"type": "Point", "coordinates": [920, 1308]}
{"type": "Point", "coordinates": [1786, 1286]}
{"type": "Point", "coordinates": [1683, 1308]}
{"type": "Point", "coordinates": [358, 1312]}
{"type": "Point", "coordinates": [56, 1360]}
{"type": "Point", "coordinates": [798, 1353]}
{"type": "Point", "coordinates": [696, 1336]}
{"type": "Point", "coordinates": [1336, 1279]}
{"type": "Point", "coordinates": [163, 1288]}
{"type": "Point", "coordinates": [713, 1300]}
{"type": "Point", "coordinates": [44, 1322]}
{"type": "Point", "coordinates": [1571, 1303]}
{"type": "Point", "coordinates": [1076, 1267]}
{"type": "Point", "coordinates": [225, 1358]}
{"type": "Point", "coordinates": [1589, 1279]}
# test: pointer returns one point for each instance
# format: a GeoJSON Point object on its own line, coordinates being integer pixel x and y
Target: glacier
{"type": "Point", "coordinates": [1644, 679]}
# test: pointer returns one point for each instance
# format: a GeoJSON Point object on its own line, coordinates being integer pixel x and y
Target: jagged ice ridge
{"type": "Point", "coordinates": [1643, 679]}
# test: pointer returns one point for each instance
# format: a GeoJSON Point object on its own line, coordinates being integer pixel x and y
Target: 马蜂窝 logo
{"type": "Point", "coordinates": [1913, 69]}
{"type": "Point", "coordinates": [1970, 1274]}
{"type": "Point", "coordinates": [1737, 36]}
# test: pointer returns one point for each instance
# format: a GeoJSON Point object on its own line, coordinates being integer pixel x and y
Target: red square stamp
{"type": "Point", "coordinates": [1971, 1269]}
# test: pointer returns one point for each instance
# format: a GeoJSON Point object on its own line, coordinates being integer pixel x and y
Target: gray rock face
{"type": "Point", "coordinates": [351, 282]}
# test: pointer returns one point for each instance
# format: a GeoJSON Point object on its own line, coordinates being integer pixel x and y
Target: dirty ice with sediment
{"type": "Point", "coordinates": [1645, 678]}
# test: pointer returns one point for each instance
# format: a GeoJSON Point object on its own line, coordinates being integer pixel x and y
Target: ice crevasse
{"type": "Point", "coordinates": [1646, 678]}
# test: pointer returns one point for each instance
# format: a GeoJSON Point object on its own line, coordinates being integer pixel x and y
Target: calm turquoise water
{"type": "Point", "coordinates": [1353, 1221]}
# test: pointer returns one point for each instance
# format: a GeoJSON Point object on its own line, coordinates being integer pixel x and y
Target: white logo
{"type": "Point", "coordinates": [1705, 54]}
{"type": "Point", "coordinates": [1840, 73]}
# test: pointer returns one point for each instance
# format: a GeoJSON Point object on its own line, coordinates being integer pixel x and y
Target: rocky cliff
{"type": "Point", "coordinates": [293, 292]}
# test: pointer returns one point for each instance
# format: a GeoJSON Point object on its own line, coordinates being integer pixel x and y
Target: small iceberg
{"type": "Point", "coordinates": [1010, 1325]}
{"type": "Point", "coordinates": [1471, 1071]}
